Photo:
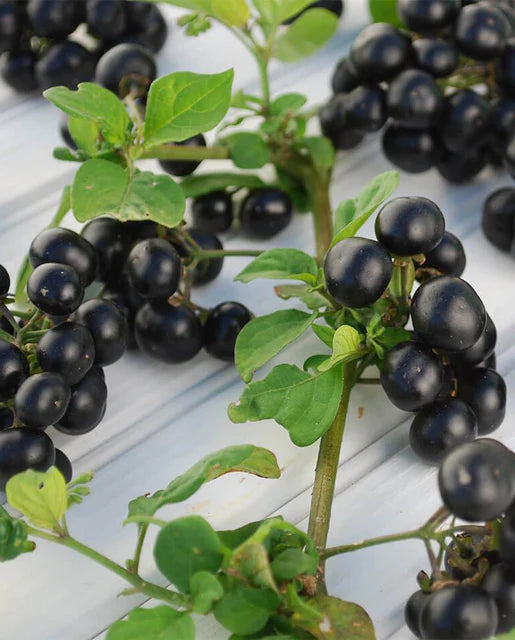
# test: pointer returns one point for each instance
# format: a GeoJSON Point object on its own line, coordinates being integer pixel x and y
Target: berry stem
{"type": "Point", "coordinates": [182, 152]}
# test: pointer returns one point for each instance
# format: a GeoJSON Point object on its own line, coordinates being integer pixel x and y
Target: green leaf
{"type": "Point", "coordinates": [281, 264]}
{"type": "Point", "coordinates": [235, 537]}
{"type": "Point", "coordinates": [198, 185]}
{"type": "Point", "coordinates": [159, 623]}
{"type": "Point", "coordinates": [183, 104]}
{"type": "Point", "coordinates": [309, 32]}
{"type": "Point", "coordinates": [250, 564]}
{"type": "Point", "coordinates": [67, 155]}
{"type": "Point", "coordinates": [13, 537]}
{"type": "Point", "coordinates": [244, 610]}
{"type": "Point", "coordinates": [392, 336]}
{"type": "Point", "coordinates": [314, 362]}
{"type": "Point", "coordinates": [334, 619]}
{"type": "Point", "coordinates": [85, 133]}
{"type": "Point", "coordinates": [186, 546]}
{"type": "Point", "coordinates": [266, 336]}
{"type": "Point", "coordinates": [274, 12]}
{"type": "Point", "coordinates": [350, 219]}
{"type": "Point", "coordinates": [320, 149]}
{"type": "Point", "coordinates": [326, 334]}
{"type": "Point", "coordinates": [102, 187]}
{"type": "Point", "coordinates": [96, 104]}
{"type": "Point", "coordinates": [312, 299]}
{"type": "Point", "coordinates": [41, 497]}
{"type": "Point", "coordinates": [296, 190]}
{"type": "Point", "coordinates": [384, 11]}
{"type": "Point", "coordinates": [303, 404]}
{"type": "Point", "coordinates": [291, 563]}
{"type": "Point", "coordinates": [232, 12]}
{"type": "Point", "coordinates": [206, 590]}
{"type": "Point", "coordinates": [346, 343]}
{"type": "Point", "coordinates": [248, 150]}
{"type": "Point", "coordinates": [244, 458]}
{"type": "Point", "coordinates": [287, 102]}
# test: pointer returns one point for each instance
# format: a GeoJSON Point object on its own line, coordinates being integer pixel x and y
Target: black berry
{"type": "Point", "coordinates": [18, 70]}
{"type": "Point", "coordinates": [265, 212]}
{"type": "Point", "coordinates": [482, 349]}
{"type": "Point", "coordinates": [65, 63]}
{"type": "Point", "coordinates": [499, 582]}
{"type": "Point", "coordinates": [106, 235]}
{"type": "Point", "coordinates": [485, 391]}
{"type": "Point", "coordinates": [448, 257]}
{"type": "Point", "coordinates": [345, 78]}
{"type": "Point", "coordinates": [507, 539]}
{"type": "Point", "coordinates": [221, 328]}
{"type": "Point", "coordinates": [53, 18]}
{"type": "Point", "coordinates": [108, 327]}
{"type": "Point", "coordinates": [435, 56]}
{"type": "Point", "coordinates": [414, 99]}
{"type": "Point", "coordinates": [42, 400]}
{"type": "Point", "coordinates": [212, 212]}
{"type": "Point", "coordinates": [5, 281]}
{"type": "Point", "coordinates": [126, 63]}
{"type": "Point", "coordinates": [412, 150]}
{"type": "Point", "coordinates": [335, 125]}
{"type": "Point", "coordinates": [426, 16]}
{"type": "Point", "coordinates": [182, 168]}
{"type": "Point", "coordinates": [62, 462]}
{"type": "Point", "coordinates": [11, 23]}
{"type": "Point", "coordinates": [107, 19]}
{"type": "Point", "coordinates": [481, 31]}
{"type": "Point", "coordinates": [55, 288]}
{"type": "Point", "coordinates": [412, 611]}
{"type": "Point", "coordinates": [22, 449]}
{"type": "Point", "coordinates": [498, 220]}
{"type": "Point", "coordinates": [465, 121]}
{"type": "Point", "coordinates": [154, 268]}
{"type": "Point", "coordinates": [87, 405]}
{"type": "Point", "coordinates": [209, 269]}
{"type": "Point", "coordinates": [14, 369]}
{"type": "Point", "coordinates": [461, 167]}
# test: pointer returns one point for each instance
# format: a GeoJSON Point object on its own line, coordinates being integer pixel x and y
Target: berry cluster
{"type": "Point", "coordinates": [443, 86]}
{"type": "Point", "coordinates": [42, 46]}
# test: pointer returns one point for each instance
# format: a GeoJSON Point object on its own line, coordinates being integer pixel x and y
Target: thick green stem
{"type": "Point", "coordinates": [265, 82]}
{"type": "Point", "coordinates": [322, 216]}
{"type": "Point", "coordinates": [182, 152]}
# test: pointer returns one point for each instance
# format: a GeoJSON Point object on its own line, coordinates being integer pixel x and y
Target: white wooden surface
{"type": "Point", "coordinates": [162, 419]}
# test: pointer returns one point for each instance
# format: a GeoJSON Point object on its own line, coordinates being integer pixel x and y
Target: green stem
{"type": "Point", "coordinates": [182, 152]}
{"type": "Point", "coordinates": [322, 216]}
{"type": "Point", "coordinates": [262, 62]}
{"type": "Point", "coordinates": [372, 542]}
{"type": "Point", "coordinates": [142, 533]}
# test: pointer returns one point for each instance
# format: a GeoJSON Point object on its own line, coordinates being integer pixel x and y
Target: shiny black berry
{"type": "Point", "coordinates": [108, 327]}
{"type": "Point", "coordinates": [265, 212]}
{"type": "Point", "coordinates": [209, 269]}
{"type": "Point", "coordinates": [107, 236]}
{"type": "Point", "coordinates": [345, 78]}
{"type": "Point", "coordinates": [154, 268]}
{"type": "Point", "coordinates": [221, 328]}
{"type": "Point", "coordinates": [65, 63]}
{"type": "Point", "coordinates": [18, 70]}
{"type": "Point", "coordinates": [42, 400]}
{"type": "Point", "coordinates": [357, 271]}
{"type": "Point", "coordinates": [507, 539]}
{"type": "Point", "coordinates": [505, 69]}
{"type": "Point", "coordinates": [412, 150]}
{"type": "Point", "coordinates": [55, 288]}
{"type": "Point", "coordinates": [150, 32]}
{"type": "Point", "coordinates": [481, 31]}
{"type": "Point", "coordinates": [123, 65]}
{"type": "Point", "coordinates": [461, 167]}
{"type": "Point", "coordinates": [480, 350]}
{"type": "Point", "coordinates": [11, 24]}
{"type": "Point", "coordinates": [410, 226]}
{"type": "Point", "coordinates": [87, 405]}
{"type": "Point", "coordinates": [107, 19]}
{"type": "Point", "coordinates": [499, 582]}
{"type": "Point", "coordinates": [171, 334]}
{"type": "Point", "coordinates": [427, 16]}
{"type": "Point", "coordinates": [5, 281]}
{"type": "Point", "coordinates": [366, 108]}
{"type": "Point", "coordinates": [14, 369]}
{"type": "Point", "coordinates": [503, 124]}
{"type": "Point", "coordinates": [465, 121]}
{"type": "Point", "coordinates": [22, 449]}
{"type": "Point", "coordinates": [412, 376]}
{"type": "Point", "coordinates": [448, 314]}
{"type": "Point", "coordinates": [412, 611]}
{"type": "Point", "coordinates": [414, 99]}
{"type": "Point", "coordinates": [53, 18]}
{"type": "Point", "coordinates": [498, 220]}
{"type": "Point", "coordinates": [62, 462]}
{"type": "Point", "coordinates": [436, 56]}
{"type": "Point", "coordinates": [448, 257]}
{"type": "Point", "coordinates": [212, 212]}
{"type": "Point", "coordinates": [335, 125]}
{"type": "Point", "coordinates": [485, 391]}
{"type": "Point", "coordinates": [182, 168]}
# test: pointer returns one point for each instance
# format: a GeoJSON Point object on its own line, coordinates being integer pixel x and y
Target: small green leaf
{"type": "Point", "coordinates": [186, 546]}
{"type": "Point", "coordinates": [67, 155]}
{"type": "Point", "coordinates": [384, 11]}
{"type": "Point", "coordinates": [235, 537]}
{"type": "Point", "coordinates": [96, 104]}
{"type": "Point", "coordinates": [181, 105]}
{"type": "Point", "coordinates": [344, 215]}
{"type": "Point", "coordinates": [163, 623]}
{"type": "Point", "coordinates": [102, 187]}
{"type": "Point", "coordinates": [281, 264]}
{"type": "Point", "coordinates": [287, 102]}
{"type": "Point", "coordinates": [346, 343]}
{"type": "Point", "coordinates": [329, 618]}
{"type": "Point", "coordinates": [309, 32]}
{"type": "Point", "coordinates": [248, 150]}
{"type": "Point", "coordinates": [312, 299]}
{"type": "Point", "coordinates": [206, 590]}
{"type": "Point", "coordinates": [266, 336]}
{"type": "Point", "coordinates": [41, 497]}
{"type": "Point", "coordinates": [244, 610]}
{"type": "Point", "coordinates": [320, 149]}
{"type": "Point", "coordinates": [291, 563]}
{"type": "Point", "coordinates": [250, 564]}
{"type": "Point", "coordinates": [274, 12]}
{"type": "Point", "coordinates": [13, 537]}
{"type": "Point", "coordinates": [392, 336]}
{"type": "Point", "coordinates": [303, 404]}
{"type": "Point", "coordinates": [326, 334]}
{"type": "Point", "coordinates": [198, 185]}
{"type": "Point", "coordinates": [232, 12]}
{"type": "Point", "coordinates": [85, 133]}
{"type": "Point", "coordinates": [314, 362]}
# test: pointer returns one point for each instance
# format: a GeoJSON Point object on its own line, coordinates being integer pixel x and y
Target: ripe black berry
{"type": "Point", "coordinates": [6, 418]}
{"type": "Point", "coordinates": [426, 16]}
{"type": "Point", "coordinates": [136, 230]}
{"type": "Point", "coordinates": [5, 281]}
{"type": "Point", "coordinates": [414, 99]}
{"type": "Point", "coordinates": [413, 609]}
{"type": "Point", "coordinates": [499, 582]}
{"type": "Point", "coordinates": [64, 246]}
{"type": "Point", "coordinates": [463, 612]}
{"type": "Point", "coordinates": [154, 268]}
{"type": "Point", "coordinates": [436, 56]}
{"type": "Point", "coordinates": [126, 62]}
{"type": "Point", "coordinates": [22, 449]}
{"type": "Point", "coordinates": [212, 212]}
{"type": "Point", "coordinates": [477, 480]}
{"type": "Point", "coordinates": [171, 334]}
{"type": "Point", "coordinates": [481, 31]}
{"type": "Point", "coordinates": [42, 400]}
{"type": "Point", "coordinates": [448, 257]}
{"type": "Point", "coordinates": [366, 108]}
{"type": "Point", "coordinates": [345, 77]}
{"type": "Point", "coordinates": [108, 327]}
{"type": "Point", "coordinates": [265, 212]}
{"type": "Point", "coordinates": [55, 288]}
{"type": "Point", "coordinates": [503, 124]}
{"type": "Point", "coordinates": [53, 18]}
{"type": "Point", "coordinates": [380, 52]}
{"type": "Point", "coordinates": [182, 168]}
{"type": "Point", "coordinates": [461, 167]}
{"type": "Point", "coordinates": [485, 391]}
{"type": "Point", "coordinates": [14, 369]}
{"type": "Point", "coordinates": [87, 405]}
{"type": "Point", "coordinates": [441, 427]}
{"type": "Point", "coordinates": [357, 271]}
{"type": "Point", "coordinates": [507, 538]}
{"type": "Point", "coordinates": [150, 32]}
{"type": "Point", "coordinates": [448, 314]}
{"type": "Point", "coordinates": [10, 25]}
{"type": "Point", "coordinates": [465, 121]}
{"type": "Point", "coordinates": [412, 376]}
{"type": "Point", "coordinates": [498, 220]}
{"type": "Point", "coordinates": [106, 235]}
{"type": "Point", "coordinates": [65, 63]}
{"type": "Point", "coordinates": [18, 70]}
{"type": "Point", "coordinates": [221, 328]}
{"type": "Point", "coordinates": [67, 349]}
{"type": "Point", "coordinates": [209, 269]}
{"type": "Point", "coordinates": [505, 69]}
{"type": "Point", "coordinates": [480, 350]}
{"type": "Point", "coordinates": [64, 465]}
{"type": "Point", "coordinates": [335, 126]}
{"type": "Point", "coordinates": [409, 226]}
{"type": "Point", "coordinates": [409, 149]}
{"type": "Point", "coordinates": [107, 19]}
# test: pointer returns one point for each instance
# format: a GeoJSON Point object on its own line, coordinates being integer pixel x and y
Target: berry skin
{"type": "Point", "coordinates": [53, 18]}
{"type": "Point", "coordinates": [14, 369]}
{"type": "Point", "coordinates": [55, 288]}
{"type": "Point", "coordinates": [63, 246]}
{"type": "Point", "coordinates": [183, 168]}
{"type": "Point", "coordinates": [461, 167]}
{"type": "Point", "coordinates": [412, 376]}
{"type": "Point", "coordinates": [499, 582]}
{"type": "Point", "coordinates": [171, 334]}
{"type": "Point", "coordinates": [87, 405]}
{"type": "Point", "coordinates": [448, 314]}
{"type": "Point", "coordinates": [509, 156]}
{"type": "Point", "coordinates": [125, 60]}
{"type": "Point", "coordinates": [481, 31]}
{"type": "Point", "coordinates": [345, 78]}
{"type": "Point", "coordinates": [380, 52]}
{"type": "Point", "coordinates": [426, 16]}
{"type": "Point", "coordinates": [154, 268]}
{"type": "Point", "coordinates": [482, 349]}
{"type": "Point", "coordinates": [67, 349]}
{"type": "Point", "coordinates": [357, 272]}
{"type": "Point", "coordinates": [503, 124]}
{"type": "Point", "coordinates": [265, 212]}
{"type": "Point", "coordinates": [498, 220]}
{"type": "Point", "coordinates": [209, 269]}
{"type": "Point", "coordinates": [477, 480]}
{"type": "Point", "coordinates": [411, 150]}
{"type": "Point", "coordinates": [108, 327]}
{"type": "Point", "coordinates": [42, 400]}
{"type": "Point", "coordinates": [17, 69]}
{"type": "Point", "coordinates": [441, 427]}
{"type": "Point", "coordinates": [414, 99]}
{"type": "Point", "coordinates": [412, 611]}
{"type": "Point", "coordinates": [448, 257]}
{"type": "Point", "coordinates": [366, 108]}
{"type": "Point", "coordinates": [409, 226]}
{"type": "Point", "coordinates": [5, 281]}
{"type": "Point", "coordinates": [10, 25]}
{"type": "Point", "coordinates": [151, 32]}
{"type": "Point", "coordinates": [507, 539]}
{"type": "Point", "coordinates": [335, 125]}
{"type": "Point", "coordinates": [107, 19]}
{"type": "Point", "coordinates": [465, 121]}
{"type": "Point", "coordinates": [505, 69]}
{"type": "Point", "coordinates": [62, 462]}
{"type": "Point", "coordinates": [435, 56]}
{"type": "Point", "coordinates": [106, 235]}
{"type": "Point", "coordinates": [212, 212]}
{"type": "Point", "coordinates": [65, 63]}
{"type": "Point", "coordinates": [462, 612]}
{"type": "Point", "coordinates": [221, 328]}
{"type": "Point", "coordinates": [6, 418]}
{"type": "Point", "coordinates": [485, 391]}
{"type": "Point", "coordinates": [64, 131]}
{"type": "Point", "coordinates": [22, 449]}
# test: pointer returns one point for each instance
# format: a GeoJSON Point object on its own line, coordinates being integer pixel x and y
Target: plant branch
{"type": "Point", "coordinates": [182, 152]}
